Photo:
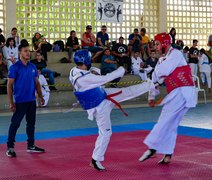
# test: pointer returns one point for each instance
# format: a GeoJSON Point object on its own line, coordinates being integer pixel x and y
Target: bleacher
{"type": "Point", "coordinates": [64, 95]}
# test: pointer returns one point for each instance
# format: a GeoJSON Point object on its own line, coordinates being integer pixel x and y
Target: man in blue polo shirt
{"type": "Point", "coordinates": [102, 38]}
{"type": "Point", "coordinates": [22, 83]}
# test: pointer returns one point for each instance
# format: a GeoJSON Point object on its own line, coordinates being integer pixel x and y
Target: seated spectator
{"type": "Point", "coordinates": [180, 45]}
{"type": "Point", "coordinates": [151, 46]}
{"type": "Point", "coordinates": [88, 41]}
{"type": "Point", "coordinates": [44, 88]}
{"type": "Point", "coordinates": [172, 33]}
{"type": "Point", "coordinates": [3, 76]}
{"type": "Point", "coordinates": [10, 52]}
{"type": "Point", "coordinates": [102, 38]}
{"type": "Point", "coordinates": [152, 61]}
{"type": "Point", "coordinates": [41, 64]}
{"type": "Point", "coordinates": [109, 65]}
{"type": "Point", "coordinates": [135, 42]}
{"type": "Point", "coordinates": [185, 53]}
{"type": "Point", "coordinates": [40, 44]}
{"type": "Point", "coordinates": [204, 69]}
{"type": "Point", "coordinates": [2, 40]}
{"type": "Point", "coordinates": [138, 67]}
{"type": "Point", "coordinates": [72, 44]}
{"type": "Point", "coordinates": [120, 51]}
{"type": "Point", "coordinates": [14, 35]}
{"type": "Point", "coordinates": [145, 43]}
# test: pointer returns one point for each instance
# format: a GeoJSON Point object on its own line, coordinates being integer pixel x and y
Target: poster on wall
{"type": "Point", "coordinates": [109, 11]}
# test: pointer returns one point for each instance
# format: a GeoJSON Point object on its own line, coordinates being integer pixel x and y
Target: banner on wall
{"type": "Point", "coordinates": [109, 11]}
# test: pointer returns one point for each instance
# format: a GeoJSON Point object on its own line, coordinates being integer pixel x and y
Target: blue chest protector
{"type": "Point", "coordinates": [90, 98]}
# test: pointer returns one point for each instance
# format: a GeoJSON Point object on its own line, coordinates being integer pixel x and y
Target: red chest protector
{"type": "Point", "coordinates": [180, 77]}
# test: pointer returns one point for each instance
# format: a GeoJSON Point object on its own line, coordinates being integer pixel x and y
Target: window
{"type": "Point", "coordinates": [2, 15]}
{"type": "Point", "coordinates": [195, 23]}
{"type": "Point", "coordinates": [55, 18]}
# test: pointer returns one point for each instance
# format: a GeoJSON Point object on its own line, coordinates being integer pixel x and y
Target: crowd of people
{"type": "Point", "coordinates": [138, 57]}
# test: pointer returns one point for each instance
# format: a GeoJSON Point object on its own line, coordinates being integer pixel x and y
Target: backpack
{"type": "Point", "coordinates": [64, 60]}
{"type": "Point", "coordinates": [60, 44]}
{"type": "Point", "coordinates": [56, 48]}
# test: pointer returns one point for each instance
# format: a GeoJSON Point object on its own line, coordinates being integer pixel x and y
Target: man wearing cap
{"type": "Point", "coordinates": [88, 42]}
{"type": "Point", "coordinates": [174, 71]}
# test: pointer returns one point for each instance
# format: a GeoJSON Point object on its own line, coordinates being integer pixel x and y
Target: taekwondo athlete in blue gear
{"type": "Point", "coordinates": [99, 101]}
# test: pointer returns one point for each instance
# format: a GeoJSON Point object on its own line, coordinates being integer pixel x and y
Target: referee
{"type": "Point", "coordinates": [22, 83]}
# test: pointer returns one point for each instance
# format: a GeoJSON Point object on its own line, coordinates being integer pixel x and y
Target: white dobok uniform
{"type": "Point", "coordinates": [8, 53]}
{"type": "Point", "coordinates": [205, 69]}
{"type": "Point", "coordinates": [44, 89]}
{"type": "Point", "coordinates": [136, 68]}
{"type": "Point", "coordinates": [163, 136]}
{"type": "Point", "coordinates": [102, 112]}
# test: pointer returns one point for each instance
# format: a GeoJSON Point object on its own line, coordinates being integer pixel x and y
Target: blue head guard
{"type": "Point", "coordinates": [83, 56]}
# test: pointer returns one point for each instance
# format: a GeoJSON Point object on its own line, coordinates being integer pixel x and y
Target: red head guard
{"type": "Point", "coordinates": [164, 38]}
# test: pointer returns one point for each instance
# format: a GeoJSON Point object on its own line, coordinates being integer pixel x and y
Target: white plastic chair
{"type": "Point", "coordinates": [198, 88]}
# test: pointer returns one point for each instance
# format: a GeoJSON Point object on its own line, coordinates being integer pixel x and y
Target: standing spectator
{"type": "Point", "coordinates": [72, 44]}
{"type": "Point", "coordinates": [186, 53]}
{"type": "Point", "coordinates": [88, 41]}
{"type": "Point", "coordinates": [40, 44]}
{"type": "Point", "coordinates": [10, 52]}
{"type": "Point", "coordinates": [209, 53]}
{"type": "Point", "coordinates": [152, 61]}
{"type": "Point", "coordinates": [138, 67]}
{"type": "Point", "coordinates": [22, 83]}
{"type": "Point", "coordinates": [145, 43]}
{"type": "Point", "coordinates": [173, 35]}
{"type": "Point", "coordinates": [193, 57]}
{"type": "Point", "coordinates": [109, 65]}
{"type": "Point", "coordinates": [135, 42]}
{"type": "Point", "coordinates": [2, 40]}
{"type": "Point", "coordinates": [3, 75]}
{"type": "Point", "coordinates": [41, 64]}
{"type": "Point", "coordinates": [44, 88]}
{"type": "Point", "coordinates": [14, 35]}
{"type": "Point", "coordinates": [102, 38]}
{"type": "Point", "coordinates": [120, 51]}
{"type": "Point", "coordinates": [205, 69]}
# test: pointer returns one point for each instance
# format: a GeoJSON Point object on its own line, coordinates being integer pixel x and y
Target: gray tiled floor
{"type": "Point", "coordinates": [57, 119]}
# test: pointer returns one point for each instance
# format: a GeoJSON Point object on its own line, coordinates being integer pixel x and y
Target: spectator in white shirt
{"type": "Point", "coordinates": [205, 69]}
{"type": "Point", "coordinates": [44, 88]}
{"type": "Point", "coordinates": [14, 35]}
{"type": "Point", "coordinates": [138, 67]}
{"type": "Point", "coordinates": [10, 52]}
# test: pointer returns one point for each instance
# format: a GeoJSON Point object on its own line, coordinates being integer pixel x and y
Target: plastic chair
{"type": "Point", "coordinates": [198, 88]}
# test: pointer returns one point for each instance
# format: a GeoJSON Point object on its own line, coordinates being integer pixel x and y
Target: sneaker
{"type": "Point", "coordinates": [148, 154]}
{"type": "Point", "coordinates": [52, 88]}
{"type": "Point", "coordinates": [35, 149]}
{"type": "Point", "coordinates": [57, 74]}
{"type": "Point", "coordinates": [10, 152]}
{"type": "Point", "coordinates": [97, 165]}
